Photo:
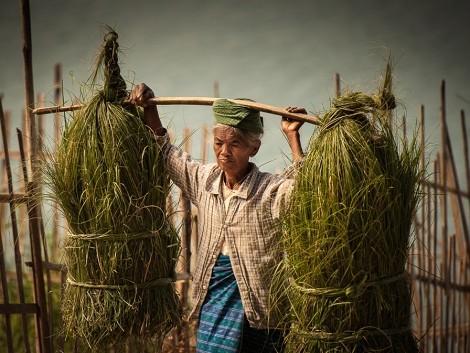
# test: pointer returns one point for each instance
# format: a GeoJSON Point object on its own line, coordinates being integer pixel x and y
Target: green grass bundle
{"type": "Point", "coordinates": [108, 177]}
{"type": "Point", "coordinates": [347, 234]}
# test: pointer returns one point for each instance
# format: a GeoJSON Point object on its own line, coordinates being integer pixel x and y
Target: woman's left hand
{"type": "Point", "coordinates": [290, 125]}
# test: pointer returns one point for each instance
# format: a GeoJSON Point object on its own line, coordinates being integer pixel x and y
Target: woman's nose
{"type": "Point", "coordinates": [225, 150]}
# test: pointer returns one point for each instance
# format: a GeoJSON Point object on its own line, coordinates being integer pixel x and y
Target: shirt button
{"type": "Point", "coordinates": [225, 226]}
{"type": "Point", "coordinates": [214, 256]}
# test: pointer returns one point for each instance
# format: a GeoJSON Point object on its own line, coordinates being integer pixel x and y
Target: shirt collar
{"type": "Point", "coordinates": [214, 183]}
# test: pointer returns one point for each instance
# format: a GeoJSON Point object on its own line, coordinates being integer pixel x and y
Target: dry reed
{"type": "Point", "coordinates": [347, 232]}
{"type": "Point", "coordinates": [108, 178]}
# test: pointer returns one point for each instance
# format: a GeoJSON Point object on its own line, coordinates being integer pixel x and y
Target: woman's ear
{"type": "Point", "coordinates": [255, 149]}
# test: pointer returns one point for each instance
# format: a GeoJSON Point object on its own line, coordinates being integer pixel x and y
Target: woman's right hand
{"type": "Point", "coordinates": [141, 94]}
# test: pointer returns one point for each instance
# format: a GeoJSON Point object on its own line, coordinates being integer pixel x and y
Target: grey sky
{"type": "Point", "coordinates": [279, 53]}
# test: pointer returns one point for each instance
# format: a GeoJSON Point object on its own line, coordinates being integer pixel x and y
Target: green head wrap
{"type": "Point", "coordinates": [236, 115]}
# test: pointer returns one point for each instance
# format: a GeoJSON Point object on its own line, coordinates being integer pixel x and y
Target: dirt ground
{"type": "Point", "coordinates": [181, 340]}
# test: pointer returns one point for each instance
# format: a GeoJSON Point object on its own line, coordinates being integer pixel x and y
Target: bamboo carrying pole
{"type": "Point", "coordinates": [196, 101]}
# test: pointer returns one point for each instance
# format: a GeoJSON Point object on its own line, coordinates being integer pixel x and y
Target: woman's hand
{"type": "Point", "coordinates": [141, 94]}
{"type": "Point", "coordinates": [290, 125]}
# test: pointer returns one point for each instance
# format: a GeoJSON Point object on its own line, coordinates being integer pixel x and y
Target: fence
{"type": "Point", "coordinates": [32, 276]}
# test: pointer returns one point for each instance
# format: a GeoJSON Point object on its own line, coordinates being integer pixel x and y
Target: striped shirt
{"type": "Point", "coordinates": [250, 229]}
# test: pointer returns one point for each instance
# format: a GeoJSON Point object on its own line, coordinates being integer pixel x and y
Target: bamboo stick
{"type": "Point", "coordinates": [196, 101]}
{"type": "Point", "coordinates": [14, 228]}
{"type": "Point", "coordinates": [448, 188]}
{"type": "Point", "coordinates": [40, 225]}
{"type": "Point", "coordinates": [28, 77]}
{"type": "Point", "coordinates": [456, 198]}
{"type": "Point", "coordinates": [6, 298]}
{"type": "Point", "coordinates": [444, 292]}
{"type": "Point", "coordinates": [418, 292]}
{"type": "Point", "coordinates": [466, 343]}
{"type": "Point", "coordinates": [420, 232]}
{"type": "Point", "coordinates": [57, 135]}
{"type": "Point", "coordinates": [55, 207]}
{"type": "Point", "coordinates": [337, 85]}
{"type": "Point", "coordinates": [435, 255]}
{"type": "Point", "coordinates": [466, 156]}
{"type": "Point", "coordinates": [451, 297]}
{"type": "Point", "coordinates": [34, 217]}
{"type": "Point", "coordinates": [3, 178]}
{"type": "Point", "coordinates": [429, 289]}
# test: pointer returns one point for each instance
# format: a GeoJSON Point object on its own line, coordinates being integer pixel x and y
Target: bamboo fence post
{"type": "Point", "coordinates": [34, 217]}
{"type": "Point", "coordinates": [204, 140]}
{"type": "Point", "coordinates": [455, 278]}
{"type": "Point", "coordinates": [28, 74]}
{"type": "Point", "coordinates": [216, 89]}
{"type": "Point", "coordinates": [424, 219]}
{"type": "Point", "coordinates": [14, 228]}
{"type": "Point", "coordinates": [45, 339]}
{"type": "Point", "coordinates": [55, 207]}
{"type": "Point", "coordinates": [437, 289]}
{"type": "Point", "coordinates": [186, 228]}
{"type": "Point", "coordinates": [466, 263]}
{"type": "Point", "coordinates": [466, 157]}
{"type": "Point", "coordinates": [337, 85]}
{"type": "Point", "coordinates": [5, 298]}
{"type": "Point", "coordinates": [445, 230]}
{"type": "Point", "coordinates": [463, 237]}
{"type": "Point", "coordinates": [57, 137]}
{"type": "Point", "coordinates": [417, 293]}
{"type": "Point", "coordinates": [41, 231]}
{"type": "Point", "coordinates": [4, 177]}
{"type": "Point", "coordinates": [451, 297]}
{"type": "Point", "coordinates": [430, 267]}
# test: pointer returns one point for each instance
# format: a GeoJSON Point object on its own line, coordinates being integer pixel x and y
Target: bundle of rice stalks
{"type": "Point", "coordinates": [347, 234]}
{"type": "Point", "coordinates": [108, 177]}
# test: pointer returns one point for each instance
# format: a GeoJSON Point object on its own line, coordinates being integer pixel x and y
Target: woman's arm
{"type": "Point", "coordinates": [290, 128]}
{"type": "Point", "coordinates": [139, 96]}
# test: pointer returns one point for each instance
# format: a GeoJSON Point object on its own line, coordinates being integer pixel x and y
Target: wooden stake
{"type": "Point", "coordinates": [14, 228]}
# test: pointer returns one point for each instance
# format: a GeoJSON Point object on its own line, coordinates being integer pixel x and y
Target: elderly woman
{"type": "Point", "coordinates": [239, 208]}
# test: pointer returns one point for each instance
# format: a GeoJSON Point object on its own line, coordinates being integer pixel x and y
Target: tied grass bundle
{"type": "Point", "coordinates": [347, 233]}
{"type": "Point", "coordinates": [108, 178]}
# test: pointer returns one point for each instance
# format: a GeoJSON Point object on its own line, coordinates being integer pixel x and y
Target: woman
{"type": "Point", "coordinates": [238, 213]}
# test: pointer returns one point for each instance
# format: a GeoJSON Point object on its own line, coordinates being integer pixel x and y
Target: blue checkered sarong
{"type": "Point", "coordinates": [221, 317]}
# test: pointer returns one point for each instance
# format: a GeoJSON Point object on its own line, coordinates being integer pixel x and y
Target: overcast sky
{"type": "Point", "coordinates": [275, 52]}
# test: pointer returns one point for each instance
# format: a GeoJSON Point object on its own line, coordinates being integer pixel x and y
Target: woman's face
{"type": "Point", "coordinates": [232, 153]}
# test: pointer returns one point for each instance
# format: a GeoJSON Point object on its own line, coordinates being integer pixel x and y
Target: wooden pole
{"type": "Point", "coordinates": [57, 136]}
{"type": "Point", "coordinates": [436, 254]}
{"type": "Point", "coordinates": [460, 220]}
{"type": "Point", "coordinates": [466, 157]}
{"type": "Point", "coordinates": [337, 85]}
{"type": "Point", "coordinates": [14, 228]}
{"type": "Point", "coordinates": [3, 176]}
{"type": "Point", "coordinates": [5, 296]}
{"type": "Point", "coordinates": [45, 339]}
{"type": "Point", "coordinates": [34, 216]}
{"type": "Point", "coordinates": [444, 216]}
{"type": "Point", "coordinates": [196, 101]}
{"type": "Point", "coordinates": [28, 75]}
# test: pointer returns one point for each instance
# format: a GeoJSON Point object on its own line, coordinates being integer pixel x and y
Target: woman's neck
{"type": "Point", "coordinates": [233, 181]}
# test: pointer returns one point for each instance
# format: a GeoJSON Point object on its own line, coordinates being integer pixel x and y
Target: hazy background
{"type": "Point", "coordinates": [275, 52]}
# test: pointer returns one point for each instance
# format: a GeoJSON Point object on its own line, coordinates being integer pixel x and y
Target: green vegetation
{"type": "Point", "coordinates": [108, 177]}
{"type": "Point", "coordinates": [347, 232]}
